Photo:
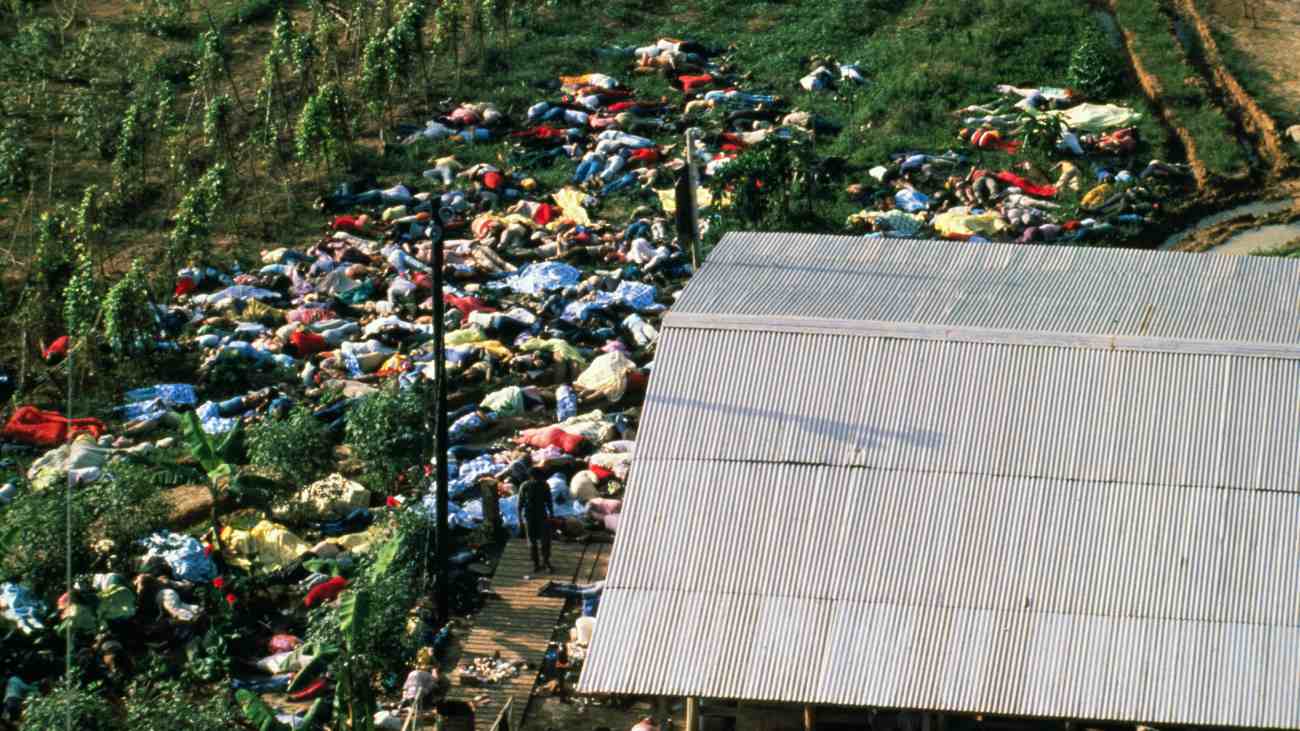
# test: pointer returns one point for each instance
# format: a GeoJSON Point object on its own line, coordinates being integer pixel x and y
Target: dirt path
{"type": "Point", "coordinates": [1155, 93]}
{"type": "Point", "coordinates": [1269, 35]}
{"type": "Point", "coordinates": [1260, 125]}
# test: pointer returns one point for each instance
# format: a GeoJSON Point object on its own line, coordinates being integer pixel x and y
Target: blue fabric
{"type": "Point", "coordinates": [542, 277]}
{"type": "Point", "coordinates": [22, 608]}
{"type": "Point", "coordinates": [636, 295]}
{"type": "Point", "coordinates": [210, 418]}
{"type": "Point", "coordinates": [581, 310]}
{"type": "Point", "coordinates": [566, 403]}
{"type": "Point", "coordinates": [469, 473]}
{"type": "Point", "coordinates": [911, 201]}
{"type": "Point", "coordinates": [172, 394]}
{"type": "Point", "coordinates": [183, 554]}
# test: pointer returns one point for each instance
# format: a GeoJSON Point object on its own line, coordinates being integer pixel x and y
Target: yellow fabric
{"type": "Point", "coordinates": [494, 348]}
{"type": "Point", "coordinates": [1095, 196]}
{"type": "Point", "coordinates": [257, 311]}
{"type": "Point", "coordinates": [365, 540]}
{"type": "Point", "coordinates": [272, 545]}
{"type": "Point", "coordinates": [606, 376]}
{"type": "Point", "coordinates": [465, 336]}
{"type": "Point", "coordinates": [570, 201]}
{"type": "Point", "coordinates": [668, 199]}
{"type": "Point", "coordinates": [556, 347]}
{"type": "Point", "coordinates": [395, 363]}
{"type": "Point", "coordinates": [960, 222]}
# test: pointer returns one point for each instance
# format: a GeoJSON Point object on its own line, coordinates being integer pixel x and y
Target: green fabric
{"type": "Point", "coordinates": [508, 401]}
{"type": "Point", "coordinates": [358, 294]}
{"type": "Point", "coordinates": [557, 347]}
{"type": "Point", "coordinates": [115, 603]}
{"type": "Point", "coordinates": [464, 336]}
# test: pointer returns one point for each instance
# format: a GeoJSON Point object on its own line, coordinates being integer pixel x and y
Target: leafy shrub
{"type": "Point", "coordinates": [386, 431]}
{"type": "Point", "coordinates": [33, 539]}
{"type": "Point", "coordinates": [128, 319]}
{"type": "Point", "coordinates": [15, 158]}
{"type": "Point", "coordinates": [89, 710]}
{"type": "Point", "coordinates": [296, 447]}
{"type": "Point", "coordinates": [127, 506]}
{"type": "Point", "coordinates": [154, 704]}
{"type": "Point", "coordinates": [1094, 66]}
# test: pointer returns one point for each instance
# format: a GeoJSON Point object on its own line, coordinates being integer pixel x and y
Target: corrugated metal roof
{"type": "Point", "coordinates": [974, 408]}
{"type": "Point", "coordinates": [973, 522]}
{"type": "Point", "coordinates": [1008, 286]}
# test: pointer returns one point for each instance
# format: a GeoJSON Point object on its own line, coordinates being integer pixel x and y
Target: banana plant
{"type": "Point", "coordinates": [262, 717]}
{"type": "Point", "coordinates": [354, 698]}
{"type": "Point", "coordinates": [224, 478]}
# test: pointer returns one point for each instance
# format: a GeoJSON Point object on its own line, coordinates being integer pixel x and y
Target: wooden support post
{"type": "Point", "coordinates": [661, 710]}
{"type": "Point", "coordinates": [692, 713]}
{"type": "Point", "coordinates": [809, 718]}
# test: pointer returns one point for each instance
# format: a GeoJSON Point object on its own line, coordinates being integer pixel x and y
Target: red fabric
{"type": "Point", "coordinates": [991, 139]}
{"type": "Point", "coordinates": [493, 180]}
{"type": "Point", "coordinates": [545, 213]}
{"type": "Point", "coordinates": [541, 133]}
{"type": "Point", "coordinates": [325, 591]}
{"type": "Point", "coordinates": [637, 381]}
{"type": "Point", "coordinates": [733, 139]}
{"type": "Point", "coordinates": [283, 643]}
{"type": "Point", "coordinates": [467, 305]}
{"type": "Point", "coordinates": [347, 223]}
{"type": "Point", "coordinates": [422, 281]}
{"type": "Point", "coordinates": [620, 107]}
{"type": "Point", "coordinates": [312, 690]}
{"type": "Point", "coordinates": [644, 156]}
{"type": "Point", "coordinates": [59, 347]}
{"type": "Point", "coordinates": [601, 473]}
{"type": "Point", "coordinates": [1071, 225]}
{"type": "Point", "coordinates": [1042, 191]}
{"type": "Point", "coordinates": [30, 425]}
{"type": "Point", "coordinates": [184, 285]}
{"type": "Point", "coordinates": [308, 343]}
{"type": "Point", "coordinates": [691, 83]}
{"type": "Point", "coordinates": [551, 436]}
{"type": "Point", "coordinates": [729, 147]}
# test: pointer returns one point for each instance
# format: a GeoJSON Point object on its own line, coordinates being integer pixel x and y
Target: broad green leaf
{"type": "Point", "coordinates": [202, 449]}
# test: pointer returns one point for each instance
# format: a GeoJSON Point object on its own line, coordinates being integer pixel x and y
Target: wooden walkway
{"type": "Point", "coordinates": [519, 624]}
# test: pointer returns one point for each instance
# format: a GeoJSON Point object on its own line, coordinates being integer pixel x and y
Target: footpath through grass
{"type": "Point", "coordinates": [1185, 92]}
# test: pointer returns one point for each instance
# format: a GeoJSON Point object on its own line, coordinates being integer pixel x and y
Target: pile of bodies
{"type": "Point", "coordinates": [551, 326]}
{"type": "Point", "coordinates": [1094, 191]}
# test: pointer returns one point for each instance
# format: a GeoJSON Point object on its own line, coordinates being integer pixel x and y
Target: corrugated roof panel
{"type": "Point", "coordinates": [1053, 546]}
{"type": "Point", "coordinates": [975, 408]}
{"type": "Point", "coordinates": [988, 518]}
{"type": "Point", "coordinates": [1060, 289]}
{"type": "Point", "coordinates": [962, 660]}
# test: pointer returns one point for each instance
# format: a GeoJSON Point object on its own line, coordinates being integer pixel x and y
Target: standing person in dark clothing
{"type": "Point", "coordinates": [535, 508]}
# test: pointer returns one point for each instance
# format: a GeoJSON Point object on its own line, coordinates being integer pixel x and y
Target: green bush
{"type": "Point", "coordinates": [1094, 66]}
{"type": "Point", "coordinates": [163, 705]}
{"type": "Point", "coordinates": [386, 432]}
{"type": "Point", "coordinates": [296, 447]}
{"type": "Point", "coordinates": [128, 505]}
{"type": "Point", "coordinates": [33, 539]}
{"type": "Point", "coordinates": [90, 712]}
{"type": "Point", "coordinates": [15, 159]}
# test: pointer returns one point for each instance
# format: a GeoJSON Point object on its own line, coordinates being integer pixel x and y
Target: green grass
{"type": "Point", "coordinates": [1185, 94]}
{"type": "Point", "coordinates": [925, 58]}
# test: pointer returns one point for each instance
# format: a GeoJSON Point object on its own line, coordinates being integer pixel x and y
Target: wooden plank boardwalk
{"type": "Point", "coordinates": [518, 624]}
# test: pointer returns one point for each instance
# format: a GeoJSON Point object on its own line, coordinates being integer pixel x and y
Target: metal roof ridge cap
{"type": "Point", "coordinates": [968, 334]}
